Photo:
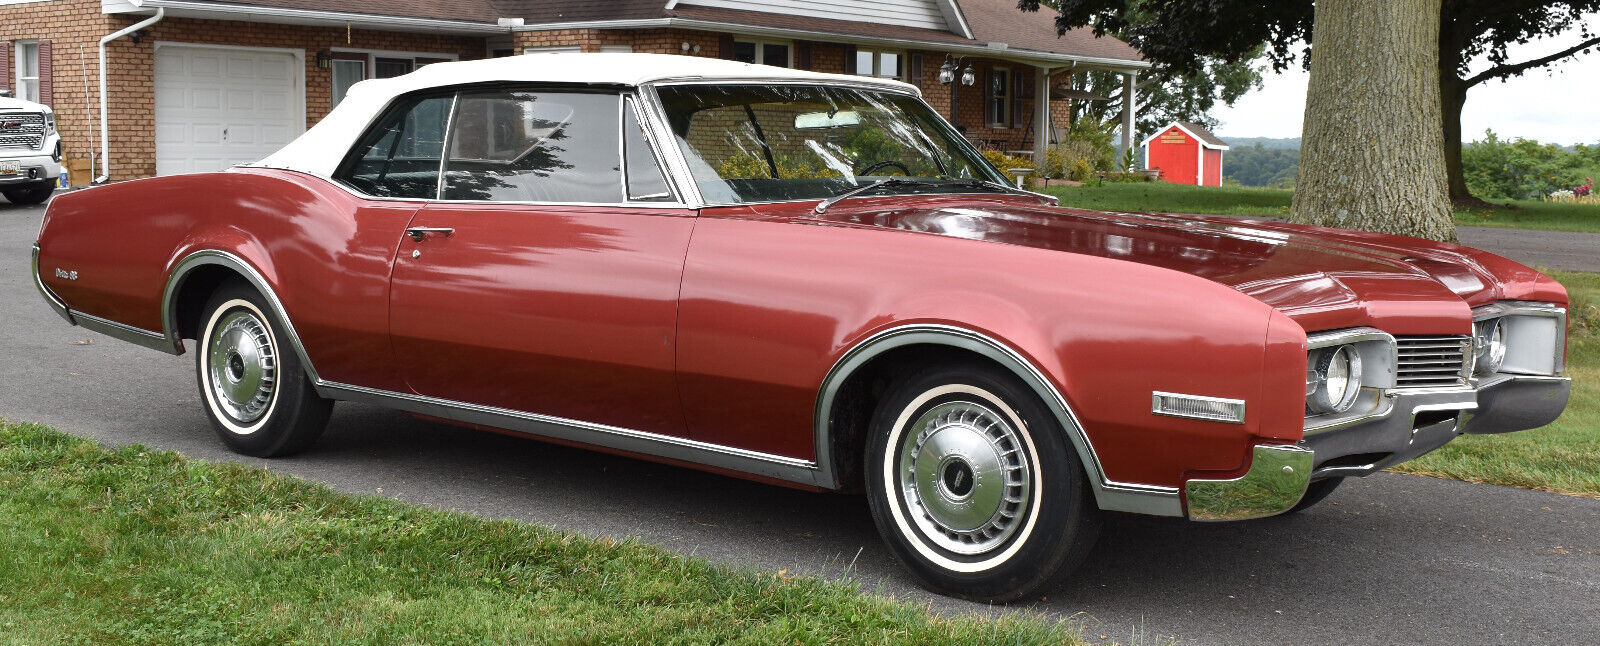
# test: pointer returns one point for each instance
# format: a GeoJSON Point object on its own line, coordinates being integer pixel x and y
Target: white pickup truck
{"type": "Point", "coordinates": [30, 150]}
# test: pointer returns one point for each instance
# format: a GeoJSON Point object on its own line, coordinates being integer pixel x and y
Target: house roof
{"type": "Point", "coordinates": [323, 147]}
{"type": "Point", "coordinates": [999, 28]}
{"type": "Point", "coordinates": [1194, 130]}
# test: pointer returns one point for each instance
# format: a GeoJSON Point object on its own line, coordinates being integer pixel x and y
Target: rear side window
{"type": "Point", "coordinates": [399, 156]}
{"type": "Point", "coordinates": [511, 145]}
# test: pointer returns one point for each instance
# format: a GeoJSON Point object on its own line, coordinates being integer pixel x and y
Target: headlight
{"type": "Point", "coordinates": [1333, 379]}
{"type": "Point", "coordinates": [1488, 346]}
{"type": "Point", "coordinates": [49, 122]}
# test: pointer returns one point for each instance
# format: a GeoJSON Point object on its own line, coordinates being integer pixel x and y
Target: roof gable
{"type": "Point", "coordinates": [1195, 131]}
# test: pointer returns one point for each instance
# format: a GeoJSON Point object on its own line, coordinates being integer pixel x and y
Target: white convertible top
{"type": "Point", "coordinates": [321, 148]}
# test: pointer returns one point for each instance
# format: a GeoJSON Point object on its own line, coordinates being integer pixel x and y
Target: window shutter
{"type": "Point", "coordinates": [914, 68]}
{"type": "Point", "coordinates": [988, 97]}
{"type": "Point", "coordinates": [1019, 86]}
{"type": "Point", "coordinates": [6, 79]}
{"type": "Point", "coordinates": [725, 43]}
{"type": "Point", "coordinates": [802, 55]}
{"type": "Point", "coordinates": [850, 59]}
{"type": "Point", "coordinates": [46, 73]}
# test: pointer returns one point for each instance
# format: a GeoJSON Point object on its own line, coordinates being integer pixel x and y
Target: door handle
{"type": "Point", "coordinates": [418, 233]}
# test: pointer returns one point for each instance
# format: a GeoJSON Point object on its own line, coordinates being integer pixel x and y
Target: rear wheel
{"type": "Point", "coordinates": [975, 487]}
{"type": "Point", "coordinates": [254, 388]}
{"type": "Point", "coordinates": [27, 196]}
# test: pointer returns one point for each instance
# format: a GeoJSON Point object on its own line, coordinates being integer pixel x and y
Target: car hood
{"type": "Point", "coordinates": [1322, 278]}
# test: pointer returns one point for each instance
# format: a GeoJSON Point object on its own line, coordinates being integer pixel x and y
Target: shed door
{"type": "Point", "coordinates": [217, 107]}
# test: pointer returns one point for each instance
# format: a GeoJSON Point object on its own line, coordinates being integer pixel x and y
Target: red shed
{"type": "Point", "coordinates": [1186, 154]}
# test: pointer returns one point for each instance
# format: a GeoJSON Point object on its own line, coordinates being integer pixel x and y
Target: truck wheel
{"type": "Point", "coordinates": [974, 485]}
{"type": "Point", "coordinates": [255, 391]}
{"type": "Point", "coordinates": [27, 196]}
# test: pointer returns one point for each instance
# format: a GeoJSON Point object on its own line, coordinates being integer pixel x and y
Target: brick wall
{"type": "Point", "coordinates": [74, 25]}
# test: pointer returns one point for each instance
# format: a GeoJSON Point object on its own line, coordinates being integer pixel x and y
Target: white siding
{"type": "Point", "coordinates": [910, 13]}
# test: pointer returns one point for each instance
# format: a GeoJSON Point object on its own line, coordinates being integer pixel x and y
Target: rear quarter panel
{"type": "Point", "coordinates": [324, 252]}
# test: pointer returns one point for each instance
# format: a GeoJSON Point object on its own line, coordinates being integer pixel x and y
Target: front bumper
{"type": "Point", "coordinates": [38, 168]}
{"type": "Point", "coordinates": [1413, 423]}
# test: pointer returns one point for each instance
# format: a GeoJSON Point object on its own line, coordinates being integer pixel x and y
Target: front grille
{"type": "Point", "coordinates": [1433, 361]}
{"type": "Point", "coordinates": [21, 130]}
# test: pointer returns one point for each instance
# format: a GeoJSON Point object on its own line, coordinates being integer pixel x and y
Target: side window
{"type": "Point", "coordinates": [399, 157]}
{"type": "Point", "coordinates": [645, 181]}
{"type": "Point", "coordinates": [534, 146]}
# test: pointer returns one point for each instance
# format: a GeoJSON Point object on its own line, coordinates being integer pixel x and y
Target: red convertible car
{"type": "Point", "coordinates": [805, 279]}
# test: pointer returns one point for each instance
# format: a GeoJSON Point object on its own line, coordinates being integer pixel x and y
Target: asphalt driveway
{"type": "Point", "coordinates": [1390, 558]}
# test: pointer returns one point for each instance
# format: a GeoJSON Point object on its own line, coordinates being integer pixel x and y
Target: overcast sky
{"type": "Point", "coordinates": [1557, 104]}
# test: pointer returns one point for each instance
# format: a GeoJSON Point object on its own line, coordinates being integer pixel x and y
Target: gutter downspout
{"type": "Point", "coordinates": [105, 130]}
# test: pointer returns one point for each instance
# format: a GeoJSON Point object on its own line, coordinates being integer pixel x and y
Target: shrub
{"type": "Point", "coordinates": [1082, 171]}
{"type": "Point", "coordinates": [1005, 162]}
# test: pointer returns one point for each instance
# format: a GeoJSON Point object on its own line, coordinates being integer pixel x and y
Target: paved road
{"type": "Point", "coordinates": [1388, 558]}
{"type": "Point", "coordinates": [1547, 249]}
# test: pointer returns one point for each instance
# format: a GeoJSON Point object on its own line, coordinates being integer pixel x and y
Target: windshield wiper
{"type": "Point", "coordinates": [822, 207]}
{"type": "Point", "coordinates": [983, 183]}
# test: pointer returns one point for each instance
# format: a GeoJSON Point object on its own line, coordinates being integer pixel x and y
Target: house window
{"type": "Point", "coordinates": [28, 71]}
{"type": "Point", "coordinates": [351, 66]}
{"type": "Point", "coordinates": [999, 111]}
{"type": "Point", "coordinates": [763, 53]}
{"type": "Point", "coordinates": [385, 68]}
{"type": "Point", "coordinates": [346, 74]}
{"type": "Point", "coordinates": [889, 65]}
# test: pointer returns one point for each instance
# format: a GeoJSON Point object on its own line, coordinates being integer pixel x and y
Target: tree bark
{"type": "Point", "coordinates": [1372, 157]}
{"type": "Point", "coordinates": [1453, 99]}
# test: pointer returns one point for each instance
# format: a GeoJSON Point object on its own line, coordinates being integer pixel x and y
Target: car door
{"type": "Point", "coordinates": [540, 282]}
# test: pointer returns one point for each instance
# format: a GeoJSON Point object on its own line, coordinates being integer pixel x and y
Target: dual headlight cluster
{"type": "Point", "coordinates": [1333, 379]}
{"type": "Point", "coordinates": [1488, 346]}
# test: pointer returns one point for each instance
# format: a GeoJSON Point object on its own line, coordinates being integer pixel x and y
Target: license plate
{"type": "Point", "coordinates": [10, 167]}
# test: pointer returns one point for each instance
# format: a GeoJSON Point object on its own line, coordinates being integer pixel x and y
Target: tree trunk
{"type": "Point", "coordinates": [1372, 157]}
{"type": "Point", "coordinates": [1454, 97]}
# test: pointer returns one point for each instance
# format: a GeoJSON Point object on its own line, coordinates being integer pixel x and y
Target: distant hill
{"type": "Point", "coordinates": [1268, 143]}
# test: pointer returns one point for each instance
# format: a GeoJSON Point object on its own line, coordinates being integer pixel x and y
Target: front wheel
{"type": "Point", "coordinates": [975, 487]}
{"type": "Point", "coordinates": [256, 393]}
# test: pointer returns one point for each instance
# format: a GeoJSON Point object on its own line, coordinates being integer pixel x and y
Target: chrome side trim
{"type": "Point", "coordinates": [50, 297]}
{"type": "Point", "coordinates": [612, 437]}
{"type": "Point", "coordinates": [124, 332]}
{"type": "Point", "coordinates": [193, 261]}
{"type": "Point", "coordinates": [1275, 483]}
{"type": "Point", "coordinates": [1111, 495]}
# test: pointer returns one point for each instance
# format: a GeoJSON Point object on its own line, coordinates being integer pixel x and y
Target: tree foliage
{"type": "Point", "coordinates": [1257, 165]}
{"type": "Point", "coordinates": [1523, 169]}
{"type": "Point", "coordinates": [1184, 35]}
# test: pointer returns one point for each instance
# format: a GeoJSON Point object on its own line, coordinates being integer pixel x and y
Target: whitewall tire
{"type": "Point", "coordinates": [974, 486]}
{"type": "Point", "coordinates": [254, 390]}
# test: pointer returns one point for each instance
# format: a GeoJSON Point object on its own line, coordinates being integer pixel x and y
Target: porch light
{"type": "Point", "coordinates": [947, 72]}
{"type": "Point", "coordinates": [324, 60]}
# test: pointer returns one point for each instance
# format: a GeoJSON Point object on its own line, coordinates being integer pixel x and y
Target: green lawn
{"type": "Point", "coordinates": [1562, 457]}
{"type": "Point", "coordinates": [135, 546]}
{"type": "Point", "coordinates": [1162, 197]}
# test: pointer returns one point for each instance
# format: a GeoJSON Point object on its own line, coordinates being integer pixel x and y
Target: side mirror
{"type": "Point", "coordinates": [5, 93]}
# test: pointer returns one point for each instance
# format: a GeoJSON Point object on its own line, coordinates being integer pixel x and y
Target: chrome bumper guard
{"type": "Point", "coordinates": [1416, 423]}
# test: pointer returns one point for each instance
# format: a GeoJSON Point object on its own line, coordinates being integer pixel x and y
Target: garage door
{"type": "Point", "coordinates": [219, 107]}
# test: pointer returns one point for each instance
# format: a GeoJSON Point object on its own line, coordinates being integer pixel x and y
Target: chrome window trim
{"type": "Point", "coordinates": [633, 101]}
{"type": "Point", "coordinates": [1111, 495]}
{"type": "Point", "coordinates": [444, 146]}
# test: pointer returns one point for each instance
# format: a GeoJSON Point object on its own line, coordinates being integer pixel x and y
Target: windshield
{"type": "Point", "coordinates": [772, 143]}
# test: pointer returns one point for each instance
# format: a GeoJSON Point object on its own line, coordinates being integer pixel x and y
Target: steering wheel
{"type": "Point", "coordinates": [876, 165]}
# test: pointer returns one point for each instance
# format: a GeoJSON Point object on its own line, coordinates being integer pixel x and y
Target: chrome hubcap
{"type": "Point", "coordinates": [242, 366]}
{"type": "Point", "coordinates": [964, 477]}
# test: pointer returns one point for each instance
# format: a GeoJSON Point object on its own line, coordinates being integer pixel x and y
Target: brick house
{"type": "Point", "coordinates": [191, 85]}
